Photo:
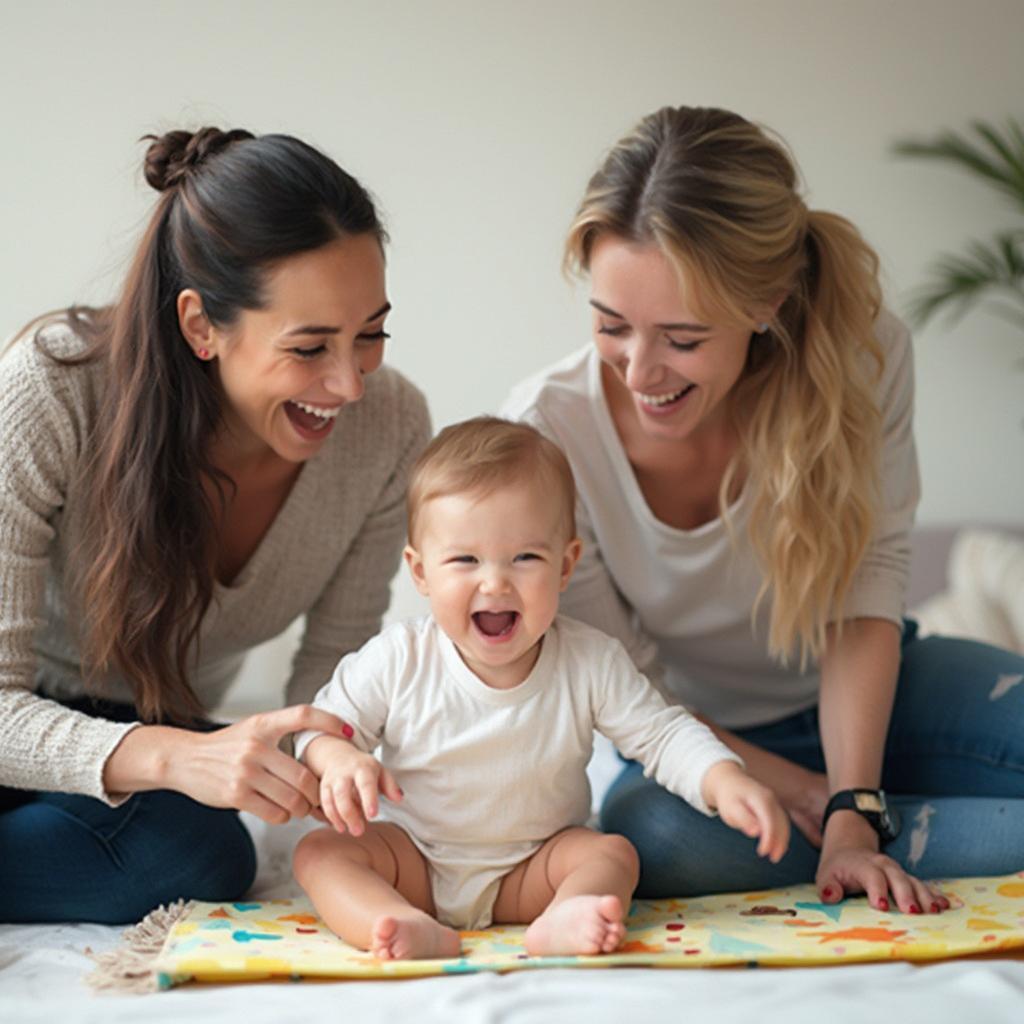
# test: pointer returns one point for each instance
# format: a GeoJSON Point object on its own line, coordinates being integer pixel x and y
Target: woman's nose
{"type": "Point", "coordinates": [638, 365]}
{"type": "Point", "coordinates": [344, 378]}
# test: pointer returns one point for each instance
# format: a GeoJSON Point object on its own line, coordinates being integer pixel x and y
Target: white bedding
{"type": "Point", "coordinates": [42, 970]}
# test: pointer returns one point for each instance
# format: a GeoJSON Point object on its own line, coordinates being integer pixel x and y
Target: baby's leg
{"type": "Point", "coordinates": [374, 891]}
{"type": "Point", "coordinates": [575, 890]}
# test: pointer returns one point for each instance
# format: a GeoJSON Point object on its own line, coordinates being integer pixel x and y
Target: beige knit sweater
{"type": "Point", "coordinates": [330, 555]}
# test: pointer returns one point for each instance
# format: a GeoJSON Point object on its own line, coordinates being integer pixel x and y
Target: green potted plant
{"type": "Point", "coordinates": [994, 270]}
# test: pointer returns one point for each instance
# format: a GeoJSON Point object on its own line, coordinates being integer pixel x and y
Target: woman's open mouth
{"type": "Point", "coordinates": [662, 405]}
{"type": "Point", "coordinates": [495, 627]}
{"type": "Point", "coordinates": [311, 422]}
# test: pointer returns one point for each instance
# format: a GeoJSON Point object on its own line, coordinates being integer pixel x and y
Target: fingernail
{"type": "Point", "coordinates": [914, 908]}
{"type": "Point", "coordinates": [935, 908]}
{"type": "Point", "coordinates": [347, 731]}
{"type": "Point", "coordinates": [827, 893]}
{"type": "Point", "coordinates": [883, 904]}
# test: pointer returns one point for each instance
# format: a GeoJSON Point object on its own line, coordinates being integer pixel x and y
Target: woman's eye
{"type": "Point", "coordinates": [309, 353]}
{"type": "Point", "coordinates": [685, 346]}
{"type": "Point", "coordinates": [373, 338]}
{"type": "Point", "coordinates": [613, 332]}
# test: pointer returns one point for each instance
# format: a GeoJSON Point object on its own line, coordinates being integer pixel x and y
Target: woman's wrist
{"type": "Point", "coordinates": [847, 828]}
{"type": "Point", "coordinates": [144, 759]}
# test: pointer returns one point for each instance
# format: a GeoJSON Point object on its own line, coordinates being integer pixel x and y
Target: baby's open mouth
{"type": "Point", "coordinates": [495, 623]}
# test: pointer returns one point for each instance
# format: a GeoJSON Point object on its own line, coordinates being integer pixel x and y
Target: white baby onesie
{"type": "Point", "coordinates": [489, 775]}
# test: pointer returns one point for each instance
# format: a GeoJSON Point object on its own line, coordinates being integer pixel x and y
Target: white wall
{"type": "Point", "coordinates": [477, 124]}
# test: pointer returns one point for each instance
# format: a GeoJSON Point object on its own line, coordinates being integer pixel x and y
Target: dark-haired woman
{"type": "Point", "coordinates": [181, 476]}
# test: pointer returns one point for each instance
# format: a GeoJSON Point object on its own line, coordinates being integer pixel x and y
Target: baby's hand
{"type": "Point", "coordinates": [749, 807]}
{"type": "Point", "coordinates": [349, 784]}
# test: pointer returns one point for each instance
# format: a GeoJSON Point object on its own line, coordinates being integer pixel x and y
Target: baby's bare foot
{"type": "Point", "coordinates": [579, 925]}
{"type": "Point", "coordinates": [414, 937]}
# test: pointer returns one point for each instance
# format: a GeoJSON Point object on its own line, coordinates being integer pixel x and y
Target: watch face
{"type": "Point", "coordinates": [872, 802]}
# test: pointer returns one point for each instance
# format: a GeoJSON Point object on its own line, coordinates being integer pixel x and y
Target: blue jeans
{"type": "Point", "coordinates": [954, 767]}
{"type": "Point", "coordinates": [66, 857]}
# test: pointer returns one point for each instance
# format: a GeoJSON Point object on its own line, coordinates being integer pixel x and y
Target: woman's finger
{"type": "Point", "coordinates": [273, 789]}
{"type": "Point", "coordinates": [294, 774]}
{"type": "Point", "coordinates": [902, 888]}
{"type": "Point", "coordinates": [264, 809]}
{"type": "Point", "coordinates": [271, 726]}
{"type": "Point", "coordinates": [875, 884]}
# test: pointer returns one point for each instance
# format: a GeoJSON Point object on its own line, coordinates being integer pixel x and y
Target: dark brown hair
{"type": "Point", "coordinates": [231, 206]}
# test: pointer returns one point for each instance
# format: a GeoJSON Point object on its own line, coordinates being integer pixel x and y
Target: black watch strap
{"type": "Point", "coordinates": [871, 805]}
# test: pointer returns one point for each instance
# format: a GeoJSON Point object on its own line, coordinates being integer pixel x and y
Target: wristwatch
{"type": "Point", "coordinates": [871, 805]}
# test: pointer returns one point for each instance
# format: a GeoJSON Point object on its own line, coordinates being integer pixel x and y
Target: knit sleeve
{"type": "Point", "coordinates": [879, 586]}
{"type": "Point", "coordinates": [350, 609]}
{"type": "Point", "coordinates": [43, 421]}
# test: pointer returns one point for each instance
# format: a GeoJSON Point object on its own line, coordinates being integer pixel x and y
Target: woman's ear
{"type": "Point", "coordinates": [570, 557]}
{"type": "Point", "coordinates": [414, 560]}
{"type": "Point", "coordinates": [195, 326]}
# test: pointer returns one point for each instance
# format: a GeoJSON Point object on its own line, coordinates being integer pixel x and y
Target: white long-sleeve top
{"type": "Point", "coordinates": [681, 600]}
{"type": "Point", "coordinates": [494, 773]}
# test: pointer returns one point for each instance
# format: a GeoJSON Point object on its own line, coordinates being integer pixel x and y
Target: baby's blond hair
{"type": "Point", "coordinates": [480, 455]}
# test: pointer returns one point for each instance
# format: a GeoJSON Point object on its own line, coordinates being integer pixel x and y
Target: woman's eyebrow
{"type": "Point", "coordinates": [608, 311]}
{"type": "Point", "coordinates": [602, 308]}
{"type": "Point", "coordinates": [331, 329]}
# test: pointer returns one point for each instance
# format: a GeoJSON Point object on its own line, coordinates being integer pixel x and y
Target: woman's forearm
{"type": "Point", "coordinates": [858, 683]}
{"type": "Point", "coordinates": [782, 775]}
{"type": "Point", "coordinates": [144, 759]}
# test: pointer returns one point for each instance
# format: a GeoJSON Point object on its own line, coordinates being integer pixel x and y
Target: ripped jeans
{"type": "Point", "coordinates": [954, 767]}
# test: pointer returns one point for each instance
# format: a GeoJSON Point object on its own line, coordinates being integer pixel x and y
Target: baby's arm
{"type": "Point", "coordinates": [684, 755]}
{"type": "Point", "coordinates": [350, 776]}
{"type": "Point", "coordinates": [349, 782]}
{"type": "Point", "coordinates": [747, 805]}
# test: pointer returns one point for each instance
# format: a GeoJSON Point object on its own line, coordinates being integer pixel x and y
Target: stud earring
{"type": "Point", "coordinates": [203, 353]}
{"type": "Point", "coordinates": [762, 328]}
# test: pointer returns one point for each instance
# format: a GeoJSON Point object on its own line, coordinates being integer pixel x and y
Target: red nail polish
{"type": "Point", "coordinates": [827, 893]}
{"type": "Point", "coordinates": [914, 908]}
{"type": "Point", "coordinates": [883, 904]}
{"type": "Point", "coordinates": [347, 731]}
{"type": "Point", "coordinates": [935, 908]}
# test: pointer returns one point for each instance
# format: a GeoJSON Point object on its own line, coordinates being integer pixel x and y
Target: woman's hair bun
{"type": "Point", "coordinates": [171, 156]}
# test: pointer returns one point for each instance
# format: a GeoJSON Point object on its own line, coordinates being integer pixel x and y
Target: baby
{"type": "Point", "coordinates": [484, 711]}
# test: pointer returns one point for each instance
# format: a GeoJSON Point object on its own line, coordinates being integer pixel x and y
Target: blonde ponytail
{"type": "Point", "coordinates": [718, 195]}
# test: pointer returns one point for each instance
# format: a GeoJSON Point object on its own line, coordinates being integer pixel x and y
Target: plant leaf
{"type": "Point", "coordinates": [958, 282]}
{"type": "Point", "coordinates": [997, 155]}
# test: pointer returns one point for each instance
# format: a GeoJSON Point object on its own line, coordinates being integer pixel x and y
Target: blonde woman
{"type": "Point", "coordinates": [741, 437]}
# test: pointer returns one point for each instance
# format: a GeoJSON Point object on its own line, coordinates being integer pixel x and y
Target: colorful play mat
{"type": "Point", "coordinates": [222, 942]}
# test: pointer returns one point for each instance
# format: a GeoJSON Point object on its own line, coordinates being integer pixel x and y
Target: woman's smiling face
{"type": "Point", "coordinates": [675, 367]}
{"type": "Point", "coordinates": [286, 370]}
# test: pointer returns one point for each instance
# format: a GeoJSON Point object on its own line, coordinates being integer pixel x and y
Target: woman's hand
{"type": "Point", "coordinates": [747, 806]}
{"type": "Point", "coordinates": [851, 863]}
{"type": "Point", "coordinates": [350, 781]}
{"type": "Point", "coordinates": [239, 766]}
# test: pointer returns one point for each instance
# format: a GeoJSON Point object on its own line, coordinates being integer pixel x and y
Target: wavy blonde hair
{"type": "Point", "coordinates": [719, 196]}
